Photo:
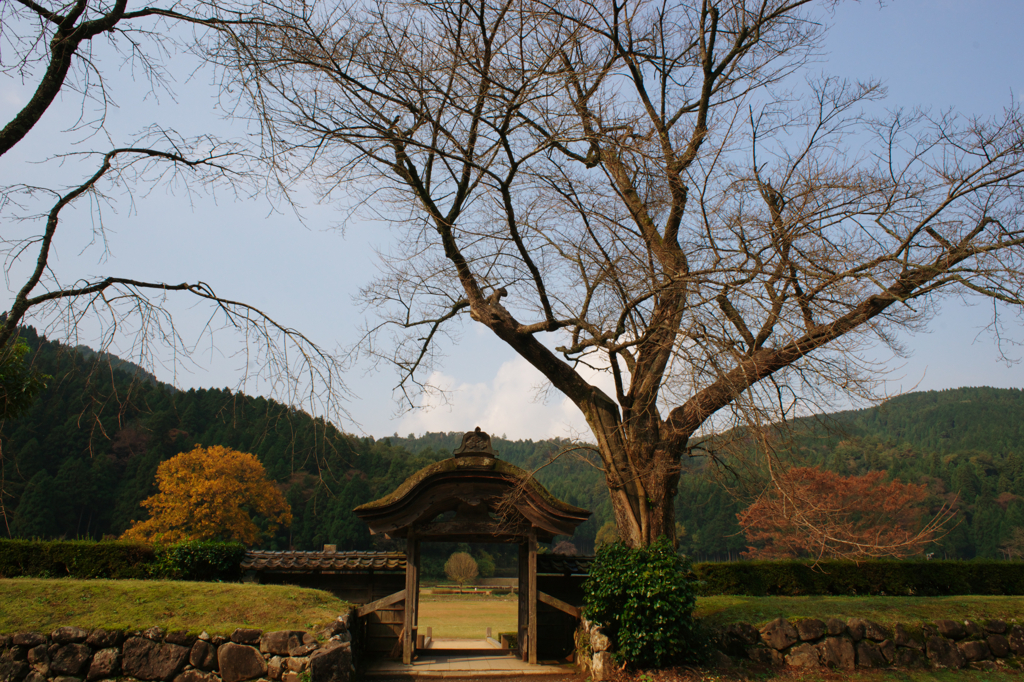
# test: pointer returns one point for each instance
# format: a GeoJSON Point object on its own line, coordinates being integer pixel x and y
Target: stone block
{"type": "Point", "coordinates": [106, 664]}
{"type": "Point", "coordinates": [196, 676]}
{"type": "Point", "coordinates": [803, 656]}
{"type": "Point", "coordinates": [860, 628]}
{"type": "Point", "coordinates": [835, 627]}
{"type": "Point", "coordinates": [28, 639]}
{"type": "Point", "coordinates": [67, 635]}
{"type": "Point", "coordinates": [998, 645]}
{"type": "Point", "coordinates": [104, 639]}
{"type": "Point", "coordinates": [888, 650]}
{"type": "Point", "coordinates": [71, 660]}
{"type": "Point", "coordinates": [972, 629]}
{"type": "Point", "coordinates": [303, 650]}
{"type": "Point", "coordinates": [765, 656]}
{"type": "Point", "coordinates": [599, 640]}
{"type": "Point", "coordinates": [903, 638]}
{"type": "Point", "coordinates": [869, 655]}
{"type": "Point", "coordinates": [996, 626]}
{"type": "Point", "coordinates": [274, 667]}
{"type": "Point", "coordinates": [779, 634]}
{"type": "Point", "coordinates": [909, 658]}
{"type": "Point", "coordinates": [602, 666]}
{"type": "Point", "coordinates": [203, 655]}
{"type": "Point", "coordinates": [181, 638]}
{"type": "Point", "coordinates": [146, 659]}
{"type": "Point", "coordinates": [810, 629]}
{"type": "Point", "coordinates": [13, 671]}
{"type": "Point", "coordinates": [838, 652]}
{"type": "Point", "coordinates": [1016, 640]}
{"type": "Point", "coordinates": [280, 642]}
{"type": "Point", "coordinates": [37, 654]}
{"type": "Point", "coordinates": [943, 653]}
{"type": "Point", "coordinates": [332, 663]}
{"type": "Point", "coordinates": [950, 629]}
{"type": "Point", "coordinates": [246, 636]}
{"type": "Point", "coordinates": [239, 662]}
{"type": "Point", "coordinates": [975, 651]}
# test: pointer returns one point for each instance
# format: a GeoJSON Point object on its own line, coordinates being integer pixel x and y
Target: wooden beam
{"type": "Point", "coordinates": [546, 598]}
{"type": "Point", "coordinates": [380, 603]}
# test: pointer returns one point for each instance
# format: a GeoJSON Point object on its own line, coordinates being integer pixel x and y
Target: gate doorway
{"type": "Point", "coordinates": [475, 497]}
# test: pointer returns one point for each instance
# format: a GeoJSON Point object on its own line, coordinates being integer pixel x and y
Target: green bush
{"type": "Point", "coordinates": [119, 560]}
{"type": "Point", "coordinates": [882, 577]}
{"type": "Point", "coordinates": [200, 560]}
{"type": "Point", "coordinates": [645, 600]}
{"type": "Point", "coordinates": [74, 559]}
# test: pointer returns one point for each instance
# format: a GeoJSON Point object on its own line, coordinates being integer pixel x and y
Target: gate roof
{"type": "Point", "coordinates": [472, 497]}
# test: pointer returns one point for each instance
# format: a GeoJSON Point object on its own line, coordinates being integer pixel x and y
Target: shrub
{"type": "Point", "coordinates": [74, 559]}
{"type": "Point", "coordinates": [645, 600]}
{"type": "Point", "coordinates": [461, 568]}
{"type": "Point", "coordinates": [119, 560]}
{"type": "Point", "coordinates": [888, 577]}
{"type": "Point", "coordinates": [201, 560]}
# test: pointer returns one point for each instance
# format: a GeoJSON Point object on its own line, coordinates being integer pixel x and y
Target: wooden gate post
{"type": "Point", "coordinates": [412, 582]}
{"type": "Point", "coordinates": [532, 599]}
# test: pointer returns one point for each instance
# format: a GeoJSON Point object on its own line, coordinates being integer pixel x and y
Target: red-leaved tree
{"type": "Point", "coordinates": [821, 514]}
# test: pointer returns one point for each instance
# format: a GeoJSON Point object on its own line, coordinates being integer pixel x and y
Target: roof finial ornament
{"type": "Point", "coordinates": [476, 444]}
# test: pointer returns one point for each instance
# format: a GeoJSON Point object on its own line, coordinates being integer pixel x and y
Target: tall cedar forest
{"type": "Point", "coordinates": [78, 464]}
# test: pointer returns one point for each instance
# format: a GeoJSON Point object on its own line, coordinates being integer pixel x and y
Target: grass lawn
{"type": "Point", "coordinates": [791, 675]}
{"type": "Point", "coordinates": [760, 610]}
{"type": "Point", "coordinates": [39, 605]}
{"type": "Point", "coordinates": [467, 616]}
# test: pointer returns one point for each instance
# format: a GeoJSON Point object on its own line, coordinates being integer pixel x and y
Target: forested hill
{"type": "Point", "coordinates": [84, 456]}
{"type": "Point", "coordinates": [983, 418]}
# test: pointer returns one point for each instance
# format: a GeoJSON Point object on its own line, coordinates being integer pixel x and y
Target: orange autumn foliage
{"type": "Point", "coordinates": [211, 494]}
{"type": "Point", "coordinates": [820, 514]}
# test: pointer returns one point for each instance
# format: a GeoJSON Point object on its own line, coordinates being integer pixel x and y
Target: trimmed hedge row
{"type": "Point", "coordinates": [881, 577]}
{"type": "Point", "coordinates": [194, 560]}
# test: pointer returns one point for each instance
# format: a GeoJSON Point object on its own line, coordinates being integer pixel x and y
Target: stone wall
{"type": "Point", "coordinates": [859, 643]}
{"type": "Point", "coordinates": [846, 645]}
{"type": "Point", "coordinates": [71, 654]}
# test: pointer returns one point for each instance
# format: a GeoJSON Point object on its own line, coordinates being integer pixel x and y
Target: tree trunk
{"type": "Point", "coordinates": [642, 474]}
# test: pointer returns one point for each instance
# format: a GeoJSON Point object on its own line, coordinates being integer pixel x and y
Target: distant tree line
{"type": "Point", "coordinates": [80, 460]}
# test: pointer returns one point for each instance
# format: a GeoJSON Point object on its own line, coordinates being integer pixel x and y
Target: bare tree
{"type": "Point", "coordinates": [56, 45]}
{"type": "Point", "coordinates": [647, 189]}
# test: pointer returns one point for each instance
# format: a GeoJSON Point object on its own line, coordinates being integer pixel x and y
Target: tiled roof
{"type": "Point", "coordinates": [564, 563]}
{"type": "Point", "coordinates": [310, 562]}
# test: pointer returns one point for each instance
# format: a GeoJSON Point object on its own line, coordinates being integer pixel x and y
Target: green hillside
{"type": "Point", "coordinates": [84, 456]}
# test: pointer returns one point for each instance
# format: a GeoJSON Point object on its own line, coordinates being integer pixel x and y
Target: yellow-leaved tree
{"type": "Point", "coordinates": [211, 494]}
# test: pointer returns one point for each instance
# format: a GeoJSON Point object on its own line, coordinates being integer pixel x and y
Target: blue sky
{"type": "Point", "coordinates": [938, 53]}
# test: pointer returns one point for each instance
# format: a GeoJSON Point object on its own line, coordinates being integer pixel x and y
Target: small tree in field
{"type": "Point", "coordinates": [211, 494]}
{"type": "Point", "coordinates": [460, 568]}
{"type": "Point", "coordinates": [810, 512]}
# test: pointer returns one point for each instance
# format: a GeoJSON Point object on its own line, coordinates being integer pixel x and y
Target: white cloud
{"type": "Point", "coordinates": [512, 404]}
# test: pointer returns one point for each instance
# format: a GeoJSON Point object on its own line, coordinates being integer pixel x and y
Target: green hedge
{"type": "Point", "coordinates": [75, 559]}
{"type": "Point", "coordinates": [201, 560]}
{"type": "Point", "coordinates": [886, 577]}
{"type": "Point", "coordinates": [205, 561]}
